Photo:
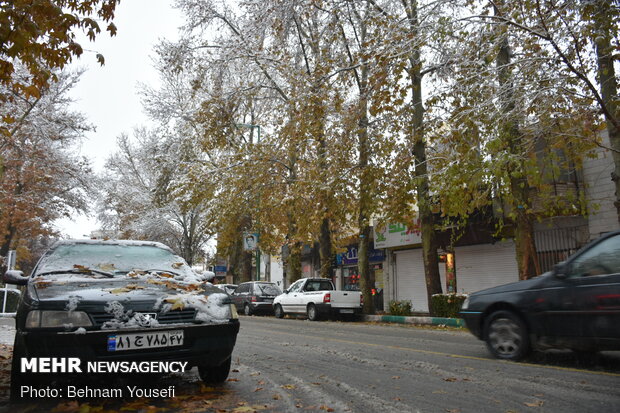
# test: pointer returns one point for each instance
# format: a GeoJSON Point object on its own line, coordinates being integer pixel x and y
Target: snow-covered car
{"type": "Point", "coordinates": [103, 301]}
{"type": "Point", "coordinates": [229, 288]}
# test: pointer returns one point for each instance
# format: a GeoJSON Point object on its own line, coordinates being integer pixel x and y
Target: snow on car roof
{"type": "Point", "coordinates": [112, 242]}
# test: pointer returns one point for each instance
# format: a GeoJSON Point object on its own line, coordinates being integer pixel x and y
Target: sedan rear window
{"type": "Point", "coordinates": [269, 289]}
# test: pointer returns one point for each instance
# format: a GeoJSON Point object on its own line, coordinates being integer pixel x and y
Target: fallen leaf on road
{"type": "Point", "coordinates": [73, 406]}
{"type": "Point", "coordinates": [453, 410]}
{"type": "Point", "coordinates": [258, 389]}
{"type": "Point", "coordinates": [245, 409]}
{"type": "Point", "coordinates": [450, 379]}
{"type": "Point", "coordinates": [276, 397]}
{"type": "Point", "coordinates": [119, 290]}
{"type": "Point", "coordinates": [395, 377]}
{"type": "Point", "coordinates": [327, 409]}
{"type": "Point", "coordinates": [289, 386]}
{"type": "Point", "coordinates": [537, 403]}
{"type": "Point", "coordinates": [232, 380]}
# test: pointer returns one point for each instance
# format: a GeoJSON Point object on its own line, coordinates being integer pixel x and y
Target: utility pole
{"type": "Point", "coordinates": [251, 127]}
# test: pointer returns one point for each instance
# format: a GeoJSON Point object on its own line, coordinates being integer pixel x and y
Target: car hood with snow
{"type": "Point", "coordinates": [119, 301]}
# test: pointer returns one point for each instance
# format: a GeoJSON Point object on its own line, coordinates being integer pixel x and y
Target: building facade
{"type": "Point", "coordinates": [481, 262]}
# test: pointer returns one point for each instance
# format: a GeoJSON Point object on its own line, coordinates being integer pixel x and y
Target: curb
{"type": "Point", "coordinates": [434, 321]}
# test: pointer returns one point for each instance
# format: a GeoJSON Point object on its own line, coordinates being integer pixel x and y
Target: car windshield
{"type": "Point", "coordinates": [111, 259]}
{"type": "Point", "coordinates": [269, 289]}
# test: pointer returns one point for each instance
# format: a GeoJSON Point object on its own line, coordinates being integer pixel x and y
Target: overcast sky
{"type": "Point", "coordinates": [108, 95]}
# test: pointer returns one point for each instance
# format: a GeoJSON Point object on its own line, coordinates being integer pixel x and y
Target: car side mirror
{"type": "Point", "coordinates": [560, 270]}
{"type": "Point", "coordinates": [15, 277]}
{"type": "Point", "coordinates": [286, 291]}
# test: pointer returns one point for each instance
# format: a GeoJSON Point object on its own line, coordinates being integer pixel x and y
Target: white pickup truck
{"type": "Point", "coordinates": [317, 297]}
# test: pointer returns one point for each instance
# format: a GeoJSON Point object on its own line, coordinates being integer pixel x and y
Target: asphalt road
{"type": "Point", "coordinates": [293, 365]}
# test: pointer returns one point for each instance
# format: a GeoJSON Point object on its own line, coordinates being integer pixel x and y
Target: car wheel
{"type": "Point", "coordinates": [278, 312]}
{"type": "Point", "coordinates": [247, 310]}
{"type": "Point", "coordinates": [312, 312]}
{"type": "Point", "coordinates": [215, 374]}
{"type": "Point", "coordinates": [506, 336]}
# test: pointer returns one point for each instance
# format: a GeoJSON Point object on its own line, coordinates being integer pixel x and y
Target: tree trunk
{"type": "Point", "coordinates": [527, 260]}
{"type": "Point", "coordinates": [325, 236]}
{"type": "Point", "coordinates": [293, 263]}
{"type": "Point", "coordinates": [5, 247]}
{"type": "Point", "coordinates": [603, 34]}
{"type": "Point", "coordinates": [427, 221]}
{"type": "Point", "coordinates": [325, 249]}
{"type": "Point", "coordinates": [366, 279]}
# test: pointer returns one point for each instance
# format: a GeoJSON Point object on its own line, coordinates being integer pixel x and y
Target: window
{"type": "Point", "coordinates": [603, 258]}
{"type": "Point", "coordinates": [296, 286]}
{"type": "Point", "coordinates": [268, 289]}
{"type": "Point", "coordinates": [112, 258]}
{"type": "Point", "coordinates": [319, 286]}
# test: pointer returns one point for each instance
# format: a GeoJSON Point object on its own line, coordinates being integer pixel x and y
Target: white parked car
{"type": "Point", "coordinates": [317, 297]}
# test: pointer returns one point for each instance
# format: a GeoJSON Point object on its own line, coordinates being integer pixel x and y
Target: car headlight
{"type": "Point", "coordinates": [233, 312]}
{"type": "Point", "coordinates": [465, 304]}
{"type": "Point", "coordinates": [51, 319]}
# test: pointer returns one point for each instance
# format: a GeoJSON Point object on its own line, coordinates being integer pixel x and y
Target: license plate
{"type": "Point", "coordinates": [138, 341]}
{"type": "Point", "coordinates": [346, 311]}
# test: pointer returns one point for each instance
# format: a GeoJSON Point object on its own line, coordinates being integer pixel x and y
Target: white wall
{"type": "Point", "coordinates": [600, 191]}
{"type": "Point", "coordinates": [277, 271]}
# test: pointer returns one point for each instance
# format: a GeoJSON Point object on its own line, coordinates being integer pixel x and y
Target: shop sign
{"type": "Point", "coordinates": [396, 235]}
{"type": "Point", "coordinates": [351, 257]}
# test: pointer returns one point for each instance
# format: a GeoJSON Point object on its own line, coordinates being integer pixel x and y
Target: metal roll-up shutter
{"type": "Point", "coordinates": [485, 265]}
{"type": "Point", "coordinates": [410, 283]}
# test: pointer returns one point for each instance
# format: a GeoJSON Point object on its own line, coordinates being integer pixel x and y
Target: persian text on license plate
{"type": "Point", "coordinates": [157, 339]}
{"type": "Point", "coordinates": [346, 311]}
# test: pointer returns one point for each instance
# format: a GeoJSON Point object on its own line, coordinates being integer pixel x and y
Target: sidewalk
{"type": "Point", "coordinates": [434, 321]}
{"type": "Point", "coordinates": [7, 330]}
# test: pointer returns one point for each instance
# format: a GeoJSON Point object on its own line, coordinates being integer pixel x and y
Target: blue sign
{"type": "Point", "coordinates": [351, 258]}
{"type": "Point", "coordinates": [220, 268]}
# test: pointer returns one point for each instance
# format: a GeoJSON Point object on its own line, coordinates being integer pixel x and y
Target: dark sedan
{"type": "Point", "coordinates": [120, 301]}
{"type": "Point", "coordinates": [575, 306]}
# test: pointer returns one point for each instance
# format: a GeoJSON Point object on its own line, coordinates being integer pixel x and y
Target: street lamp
{"type": "Point", "coordinates": [251, 127]}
